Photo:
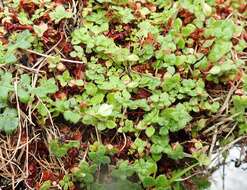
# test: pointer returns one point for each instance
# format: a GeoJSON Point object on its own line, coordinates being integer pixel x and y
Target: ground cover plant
{"type": "Point", "coordinates": [119, 94]}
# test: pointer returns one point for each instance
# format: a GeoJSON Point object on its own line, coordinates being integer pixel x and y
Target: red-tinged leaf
{"type": "Point", "coordinates": [48, 175]}
{"type": "Point", "coordinates": [149, 39]}
{"type": "Point", "coordinates": [168, 26]}
{"type": "Point", "coordinates": [204, 50]}
{"type": "Point", "coordinates": [223, 12]}
{"type": "Point", "coordinates": [186, 16]}
{"type": "Point", "coordinates": [79, 72]}
{"type": "Point", "coordinates": [141, 94]}
{"type": "Point", "coordinates": [66, 47]}
{"type": "Point", "coordinates": [143, 68]}
{"type": "Point", "coordinates": [239, 75]}
{"type": "Point", "coordinates": [197, 34]}
{"type": "Point", "coordinates": [16, 27]}
{"type": "Point", "coordinates": [73, 153]}
{"type": "Point", "coordinates": [117, 36]}
{"type": "Point", "coordinates": [28, 6]}
{"type": "Point", "coordinates": [243, 8]}
{"type": "Point", "coordinates": [245, 36]}
{"type": "Point", "coordinates": [3, 40]}
{"type": "Point", "coordinates": [60, 95]}
{"type": "Point", "coordinates": [32, 169]}
{"type": "Point", "coordinates": [65, 129]}
{"type": "Point", "coordinates": [83, 105]}
{"type": "Point", "coordinates": [52, 36]}
{"type": "Point", "coordinates": [151, 7]}
{"type": "Point", "coordinates": [77, 136]}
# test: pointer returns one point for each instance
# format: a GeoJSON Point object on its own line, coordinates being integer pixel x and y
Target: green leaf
{"type": "Point", "coordinates": [240, 105]}
{"type": "Point", "coordinates": [23, 40]}
{"type": "Point", "coordinates": [125, 14]}
{"type": "Point", "coordinates": [150, 131]}
{"type": "Point", "coordinates": [221, 29]}
{"type": "Point", "coordinates": [71, 116]}
{"type": "Point", "coordinates": [23, 18]}
{"type": "Point", "coordinates": [178, 174]}
{"type": "Point", "coordinates": [96, 99]}
{"type": "Point", "coordinates": [42, 110]}
{"type": "Point", "coordinates": [207, 9]}
{"type": "Point", "coordinates": [176, 152]}
{"type": "Point", "coordinates": [149, 182]}
{"type": "Point", "coordinates": [201, 157]}
{"type": "Point", "coordinates": [223, 72]}
{"type": "Point", "coordinates": [171, 82]}
{"type": "Point", "coordinates": [215, 70]}
{"type": "Point", "coordinates": [24, 88]}
{"type": "Point", "coordinates": [66, 183]}
{"type": "Point", "coordinates": [9, 58]}
{"type": "Point", "coordinates": [60, 13]}
{"type": "Point", "coordinates": [105, 110]}
{"type": "Point", "coordinates": [91, 88]}
{"type": "Point", "coordinates": [65, 78]}
{"type": "Point", "coordinates": [46, 87]}
{"type": "Point", "coordinates": [188, 29]}
{"type": "Point", "coordinates": [145, 167]}
{"type": "Point", "coordinates": [40, 29]}
{"type": "Point", "coordinates": [61, 149]}
{"type": "Point", "coordinates": [9, 120]}
{"type": "Point", "coordinates": [46, 185]}
{"type": "Point", "coordinates": [243, 128]}
{"type": "Point", "coordinates": [99, 156]}
{"type": "Point", "coordinates": [175, 118]}
{"type": "Point", "coordinates": [133, 58]}
{"type": "Point", "coordinates": [85, 172]}
{"type": "Point", "coordinates": [123, 170]}
{"type": "Point", "coordinates": [5, 86]}
{"type": "Point", "coordinates": [162, 181]}
{"type": "Point", "coordinates": [219, 49]}
{"type": "Point", "coordinates": [245, 83]}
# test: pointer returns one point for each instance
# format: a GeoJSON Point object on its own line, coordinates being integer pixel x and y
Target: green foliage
{"type": "Point", "coordinates": [221, 29]}
{"type": "Point", "coordinates": [84, 173]}
{"type": "Point", "coordinates": [20, 40]}
{"type": "Point", "coordinates": [98, 154]}
{"type": "Point", "coordinates": [71, 116]}
{"type": "Point", "coordinates": [123, 170]}
{"type": "Point", "coordinates": [23, 18]}
{"type": "Point", "coordinates": [5, 86]}
{"type": "Point", "coordinates": [220, 48]}
{"type": "Point", "coordinates": [64, 79]}
{"type": "Point", "coordinates": [101, 116]}
{"type": "Point", "coordinates": [175, 118]}
{"type": "Point", "coordinates": [46, 185]}
{"type": "Point", "coordinates": [223, 72]}
{"type": "Point", "coordinates": [66, 182]}
{"type": "Point", "coordinates": [149, 70]}
{"type": "Point", "coordinates": [60, 149]}
{"type": "Point", "coordinates": [46, 87]}
{"type": "Point", "coordinates": [139, 145]}
{"type": "Point", "coordinates": [24, 89]}
{"type": "Point", "coordinates": [150, 131]}
{"type": "Point", "coordinates": [60, 13]}
{"type": "Point", "coordinates": [125, 14]}
{"type": "Point", "coordinates": [9, 120]}
{"type": "Point", "coordinates": [240, 105]}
